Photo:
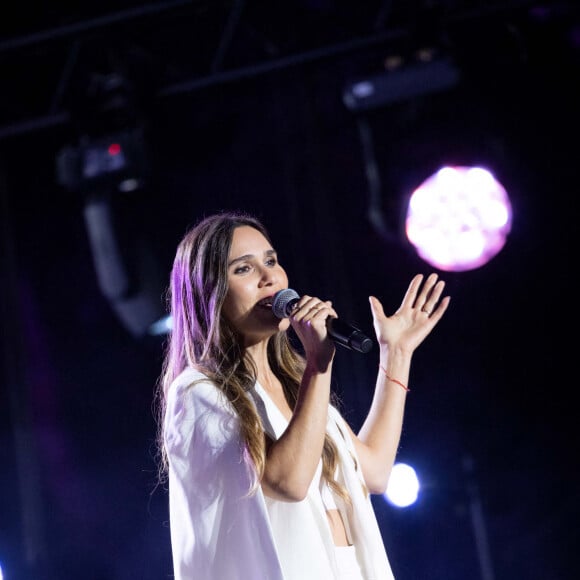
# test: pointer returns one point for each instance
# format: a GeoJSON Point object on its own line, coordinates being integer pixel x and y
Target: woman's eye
{"type": "Point", "coordinates": [271, 262]}
{"type": "Point", "coordinates": [241, 269]}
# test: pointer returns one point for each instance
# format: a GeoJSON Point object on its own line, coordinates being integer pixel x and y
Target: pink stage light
{"type": "Point", "coordinates": [459, 218]}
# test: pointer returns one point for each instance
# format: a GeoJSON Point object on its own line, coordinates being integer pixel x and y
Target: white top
{"type": "Point", "coordinates": [331, 501]}
{"type": "Point", "coordinates": [327, 496]}
{"type": "Point", "coordinates": [219, 532]}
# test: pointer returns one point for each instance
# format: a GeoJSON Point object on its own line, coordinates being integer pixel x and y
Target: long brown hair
{"type": "Point", "coordinates": [203, 339]}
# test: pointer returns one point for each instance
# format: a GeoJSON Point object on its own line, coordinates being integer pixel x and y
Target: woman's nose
{"type": "Point", "coordinates": [268, 277]}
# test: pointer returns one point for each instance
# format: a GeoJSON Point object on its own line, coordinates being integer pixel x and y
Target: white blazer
{"type": "Point", "coordinates": [219, 532]}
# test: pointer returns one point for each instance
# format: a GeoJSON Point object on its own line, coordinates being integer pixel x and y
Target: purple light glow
{"type": "Point", "coordinates": [459, 218]}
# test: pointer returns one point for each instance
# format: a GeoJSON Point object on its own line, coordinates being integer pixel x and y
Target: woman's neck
{"type": "Point", "coordinates": [258, 353]}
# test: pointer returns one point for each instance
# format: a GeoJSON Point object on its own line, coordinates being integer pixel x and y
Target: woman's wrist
{"type": "Point", "coordinates": [394, 355]}
{"type": "Point", "coordinates": [318, 366]}
{"type": "Point", "coordinates": [393, 379]}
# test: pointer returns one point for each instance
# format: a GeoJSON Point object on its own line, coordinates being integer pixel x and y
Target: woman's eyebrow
{"type": "Point", "coordinates": [240, 259]}
{"type": "Point", "coordinates": [245, 257]}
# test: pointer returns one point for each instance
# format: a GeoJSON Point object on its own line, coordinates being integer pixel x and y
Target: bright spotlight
{"type": "Point", "coordinates": [403, 488]}
{"type": "Point", "coordinates": [160, 327]}
{"type": "Point", "coordinates": [459, 218]}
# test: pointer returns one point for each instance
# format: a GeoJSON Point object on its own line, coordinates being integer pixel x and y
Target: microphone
{"type": "Point", "coordinates": [341, 332]}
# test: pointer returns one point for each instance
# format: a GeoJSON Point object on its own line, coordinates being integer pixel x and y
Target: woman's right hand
{"type": "Point", "coordinates": [308, 319]}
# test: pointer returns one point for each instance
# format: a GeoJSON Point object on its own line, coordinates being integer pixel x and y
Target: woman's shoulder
{"type": "Point", "coordinates": [197, 413]}
{"type": "Point", "coordinates": [189, 376]}
{"type": "Point", "coordinates": [195, 386]}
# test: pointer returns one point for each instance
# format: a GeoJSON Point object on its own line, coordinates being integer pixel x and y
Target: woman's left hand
{"type": "Point", "coordinates": [420, 311]}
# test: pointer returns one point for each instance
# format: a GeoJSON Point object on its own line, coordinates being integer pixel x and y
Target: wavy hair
{"type": "Point", "coordinates": [203, 339]}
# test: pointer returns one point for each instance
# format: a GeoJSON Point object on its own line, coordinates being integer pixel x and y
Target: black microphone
{"type": "Point", "coordinates": [341, 332]}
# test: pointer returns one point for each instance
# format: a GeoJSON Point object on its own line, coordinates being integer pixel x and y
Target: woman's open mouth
{"type": "Point", "coordinates": [266, 302]}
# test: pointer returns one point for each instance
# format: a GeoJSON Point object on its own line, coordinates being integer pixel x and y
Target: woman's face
{"type": "Point", "coordinates": [254, 276]}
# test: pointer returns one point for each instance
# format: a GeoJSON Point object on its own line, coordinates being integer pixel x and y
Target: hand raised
{"type": "Point", "coordinates": [421, 309]}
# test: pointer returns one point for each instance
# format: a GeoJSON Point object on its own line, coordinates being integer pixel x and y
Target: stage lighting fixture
{"type": "Point", "coordinates": [402, 82]}
{"type": "Point", "coordinates": [126, 267]}
{"type": "Point", "coordinates": [128, 273]}
{"type": "Point", "coordinates": [459, 218]}
{"type": "Point", "coordinates": [117, 161]}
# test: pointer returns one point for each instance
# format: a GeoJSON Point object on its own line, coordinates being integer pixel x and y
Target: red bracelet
{"type": "Point", "coordinates": [394, 380]}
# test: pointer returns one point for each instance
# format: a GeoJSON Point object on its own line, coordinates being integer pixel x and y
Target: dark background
{"type": "Point", "coordinates": [240, 105]}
